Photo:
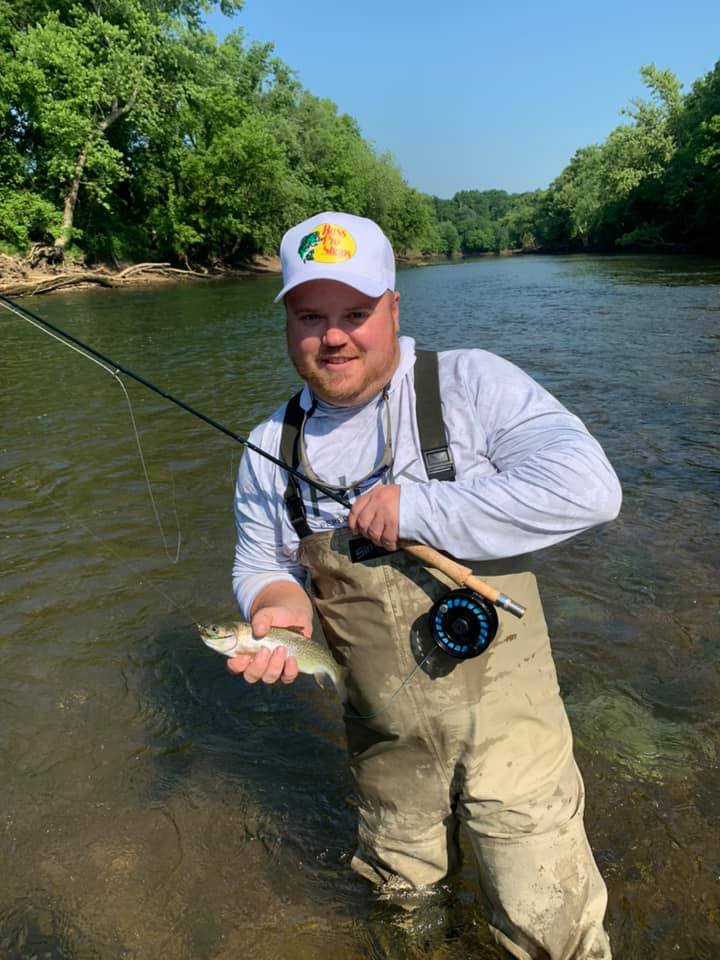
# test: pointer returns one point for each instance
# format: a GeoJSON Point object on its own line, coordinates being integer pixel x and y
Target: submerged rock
{"type": "Point", "coordinates": [621, 728]}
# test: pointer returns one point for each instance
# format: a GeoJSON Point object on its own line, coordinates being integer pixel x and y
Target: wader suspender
{"type": "Point", "coordinates": [436, 454]}
{"type": "Point", "coordinates": [289, 454]}
{"type": "Point", "coordinates": [435, 450]}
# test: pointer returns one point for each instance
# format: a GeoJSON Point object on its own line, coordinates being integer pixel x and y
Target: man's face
{"type": "Point", "coordinates": [342, 342]}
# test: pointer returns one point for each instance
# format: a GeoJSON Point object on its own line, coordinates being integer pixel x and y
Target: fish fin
{"type": "Point", "coordinates": [326, 682]}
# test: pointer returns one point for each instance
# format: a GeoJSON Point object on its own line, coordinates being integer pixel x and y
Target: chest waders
{"type": "Point", "coordinates": [484, 742]}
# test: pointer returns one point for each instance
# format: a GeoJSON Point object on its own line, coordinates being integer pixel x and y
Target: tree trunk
{"type": "Point", "coordinates": [116, 111]}
{"type": "Point", "coordinates": [69, 208]}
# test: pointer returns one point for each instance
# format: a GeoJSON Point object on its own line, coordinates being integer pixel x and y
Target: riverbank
{"type": "Point", "coordinates": [20, 278]}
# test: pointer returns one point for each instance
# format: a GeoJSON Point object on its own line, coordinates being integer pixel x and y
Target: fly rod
{"type": "Point", "coordinates": [461, 575]}
{"type": "Point", "coordinates": [119, 368]}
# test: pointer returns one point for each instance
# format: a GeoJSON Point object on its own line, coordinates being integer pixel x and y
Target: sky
{"type": "Point", "coordinates": [477, 95]}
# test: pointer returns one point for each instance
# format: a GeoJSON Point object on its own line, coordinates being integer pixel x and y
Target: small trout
{"type": "Point", "coordinates": [234, 638]}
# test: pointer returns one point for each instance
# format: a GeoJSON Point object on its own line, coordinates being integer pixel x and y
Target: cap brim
{"type": "Point", "coordinates": [366, 285]}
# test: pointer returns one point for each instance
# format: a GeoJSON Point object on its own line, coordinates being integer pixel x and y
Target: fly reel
{"type": "Point", "coordinates": [463, 624]}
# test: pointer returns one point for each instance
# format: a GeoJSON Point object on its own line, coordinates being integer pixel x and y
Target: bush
{"type": "Point", "coordinates": [646, 235]}
{"type": "Point", "coordinates": [27, 218]}
{"type": "Point", "coordinates": [10, 250]}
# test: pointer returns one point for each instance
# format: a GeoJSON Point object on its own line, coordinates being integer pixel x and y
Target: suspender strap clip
{"type": "Point", "coordinates": [439, 463]}
{"type": "Point", "coordinates": [438, 459]}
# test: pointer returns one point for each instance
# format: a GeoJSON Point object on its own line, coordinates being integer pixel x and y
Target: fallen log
{"type": "Point", "coordinates": [160, 268]}
{"type": "Point", "coordinates": [190, 273]}
{"type": "Point", "coordinates": [137, 267]}
{"type": "Point", "coordinates": [38, 285]}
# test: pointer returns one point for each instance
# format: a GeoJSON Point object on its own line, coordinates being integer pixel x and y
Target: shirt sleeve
{"type": "Point", "coordinates": [537, 476]}
{"type": "Point", "coordinates": [264, 551]}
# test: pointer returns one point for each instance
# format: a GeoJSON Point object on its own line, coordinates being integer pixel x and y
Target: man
{"type": "Point", "coordinates": [483, 741]}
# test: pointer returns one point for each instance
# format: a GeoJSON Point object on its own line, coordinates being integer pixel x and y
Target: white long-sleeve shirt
{"type": "Point", "coordinates": [528, 473]}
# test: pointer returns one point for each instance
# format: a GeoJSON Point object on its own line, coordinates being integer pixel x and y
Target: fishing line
{"type": "Point", "coordinates": [383, 708]}
{"type": "Point", "coordinates": [455, 644]}
{"type": "Point", "coordinates": [463, 624]}
{"type": "Point", "coordinates": [91, 352]}
{"type": "Point", "coordinates": [31, 319]}
{"type": "Point", "coordinates": [80, 523]}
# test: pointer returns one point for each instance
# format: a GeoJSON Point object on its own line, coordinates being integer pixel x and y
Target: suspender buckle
{"type": "Point", "coordinates": [439, 463]}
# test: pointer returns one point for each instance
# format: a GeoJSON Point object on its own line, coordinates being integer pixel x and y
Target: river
{"type": "Point", "coordinates": [154, 806]}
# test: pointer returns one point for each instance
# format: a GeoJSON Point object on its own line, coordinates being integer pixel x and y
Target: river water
{"type": "Point", "coordinates": [154, 806]}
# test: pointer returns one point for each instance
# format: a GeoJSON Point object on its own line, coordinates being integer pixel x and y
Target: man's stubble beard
{"type": "Point", "coordinates": [329, 388]}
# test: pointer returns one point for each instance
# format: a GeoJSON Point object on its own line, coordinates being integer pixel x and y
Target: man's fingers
{"type": "Point", "coordinates": [375, 516]}
{"type": "Point", "coordinates": [275, 666]}
{"type": "Point", "coordinates": [240, 663]}
{"type": "Point", "coordinates": [261, 623]}
{"type": "Point", "coordinates": [257, 666]}
{"type": "Point", "coordinates": [291, 670]}
{"type": "Point", "coordinates": [266, 666]}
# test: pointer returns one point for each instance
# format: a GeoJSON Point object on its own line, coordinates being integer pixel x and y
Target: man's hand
{"type": "Point", "coordinates": [376, 515]}
{"type": "Point", "coordinates": [264, 665]}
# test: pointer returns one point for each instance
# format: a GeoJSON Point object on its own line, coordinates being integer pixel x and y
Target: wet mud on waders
{"type": "Point", "coordinates": [484, 743]}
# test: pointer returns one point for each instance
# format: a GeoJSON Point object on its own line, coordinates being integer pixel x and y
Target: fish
{"type": "Point", "coordinates": [312, 658]}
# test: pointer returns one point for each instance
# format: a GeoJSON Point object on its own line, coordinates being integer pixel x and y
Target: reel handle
{"type": "Point", "coordinates": [463, 576]}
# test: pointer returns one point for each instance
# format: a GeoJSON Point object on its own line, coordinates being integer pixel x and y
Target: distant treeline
{"type": "Point", "coordinates": [653, 183]}
{"type": "Point", "coordinates": [128, 132]}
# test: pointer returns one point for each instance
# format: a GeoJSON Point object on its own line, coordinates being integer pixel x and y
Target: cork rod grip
{"type": "Point", "coordinates": [463, 576]}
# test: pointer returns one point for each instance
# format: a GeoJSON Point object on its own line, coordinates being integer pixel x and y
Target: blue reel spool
{"type": "Point", "coordinates": [463, 624]}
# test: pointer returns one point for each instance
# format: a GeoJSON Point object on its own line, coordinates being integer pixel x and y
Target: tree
{"type": "Point", "coordinates": [575, 199]}
{"type": "Point", "coordinates": [640, 152]}
{"type": "Point", "coordinates": [694, 172]}
{"type": "Point", "coordinates": [449, 237]}
{"type": "Point", "coordinates": [521, 221]}
{"type": "Point", "coordinates": [74, 74]}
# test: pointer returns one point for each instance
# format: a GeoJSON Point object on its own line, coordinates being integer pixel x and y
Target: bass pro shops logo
{"type": "Point", "coordinates": [328, 243]}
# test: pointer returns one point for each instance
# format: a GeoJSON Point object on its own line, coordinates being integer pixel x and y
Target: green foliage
{"type": "Point", "coordinates": [575, 199]}
{"type": "Point", "coordinates": [236, 192]}
{"type": "Point", "coordinates": [128, 130]}
{"type": "Point", "coordinates": [25, 217]}
{"type": "Point", "coordinates": [449, 238]}
{"type": "Point", "coordinates": [489, 221]}
{"type": "Point", "coordinates": [652, 182]}
{"type": "Point", "coordinates": [693, 176]}
{"type": "Point", "coordinates": [644, 235]}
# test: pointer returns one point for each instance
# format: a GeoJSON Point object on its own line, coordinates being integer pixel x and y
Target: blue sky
{"type": "Point", "coordinates": [473, 95]}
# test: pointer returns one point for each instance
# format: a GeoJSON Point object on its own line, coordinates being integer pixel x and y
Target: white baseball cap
{"type": "Point", "coordinates": [338, 246]}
